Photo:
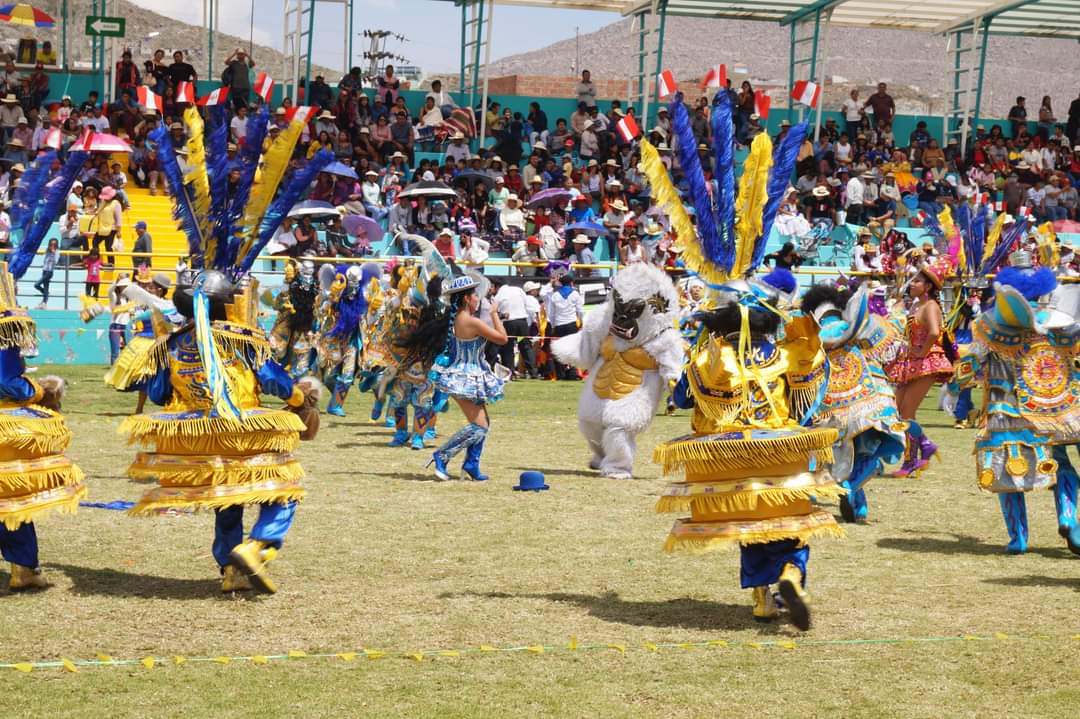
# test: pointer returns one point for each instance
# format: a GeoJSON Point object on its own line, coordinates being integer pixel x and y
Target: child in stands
{"type": "Point", "coordinates": [93, 273]}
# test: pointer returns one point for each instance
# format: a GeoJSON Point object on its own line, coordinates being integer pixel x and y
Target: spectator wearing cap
{"type": "Point", "coordinates": [236, 76]}
{"type": "Point", "coordinates": [108, 222]}
{"type": "Point", "coordinates": [143, 244]}
{"type": "Point", "coordinates": [444, 243]}
{"type": "Point", "coordinates": [530, 250]}
{"type": "Point", "coordinates": [514, 183]}
{"type": "Point", "coordinates": [511, 218]}
{"type": "Point", "coordinates": [583, 255]}
{"type": "Point", "coordinates": [821, 206]}
{"type": "Point", "coordinates": [590, 142]}
{"type": "Point", "coordinates": [458, 150]}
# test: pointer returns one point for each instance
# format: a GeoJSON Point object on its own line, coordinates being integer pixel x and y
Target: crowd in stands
{"type": "Point", "coordinates": [856, 172]}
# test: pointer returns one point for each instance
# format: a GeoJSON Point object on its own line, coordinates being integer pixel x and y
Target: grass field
{"type": "Point", "coordinates": [381, 558]}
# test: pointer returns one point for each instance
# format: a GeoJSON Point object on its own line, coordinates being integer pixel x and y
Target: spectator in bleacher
{"type": "Point", "coordinates": [586, 90]}
{"type": "Point", "coordinates": [10, 112]}
{"type": "Point", "coordinates": [388, 86]}
{"type": "Point", "coordinates": [11, 81]}
{"type": "Point", "coordinates": [325, 122]}
{"type": "Point", "coordinates": [881, 105]}
{"type": "Point", "coordinates": [401, 136]}
{"type": "Point", "coordinates": [578, 119]}
{"type": "Point", "coordinates": [538, 121]}
{"type": "Point", "coordinates": [236, 77]}
{"type": "Point", "coordinates": [1018, 116]}
{"type": "Point", "coordinates": [37, 86]}
{"type": "Point", "coordinates": [442, 99]}
{"type": "Point", "coordinates": [46, 54]}
{"type": "Point", "coordinates": [361, 114]}
{"type": "Point", "coordinates": [124, 113]}
{"type": "Point", "coordinates": [558, 137]}
{"type": "Point", "coordinates": [118, 180]}
{"type": "Point", "coordinates": [127, 74]}
{"type": "Point", "coordinates": [319, 94]}
{"type": "Point", "coordinates": [94, 120]}
{"type": "Point", "coordinates": [238, 126]}
{"type": "Point", "coordinates": [1046, 119]}
{"type": "Point", "coordinates": [143, 243]}
{"type": "Point", "coordinates": [71, 236]}
{"type": "Point", "coordinates": [15, 154]}
{"type": "Point", "coordinates": [24, 134]}
{"type": "Point", "coordinates": [853, 112]}
{"type": "Point", "coordinates": [109, 221]}
{"type": "Point", "coordinates": [181, 71]}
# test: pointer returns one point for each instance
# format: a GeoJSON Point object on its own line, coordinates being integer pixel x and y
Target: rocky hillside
{"type": "Point", "coordinates": [912, 63]}
{"type": "Point", "coordinates": [173, 35]}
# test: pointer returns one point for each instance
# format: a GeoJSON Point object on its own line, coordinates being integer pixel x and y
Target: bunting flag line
{"type": "Point", "coordinates": [214, 97]}
{"type": "Point", "coordinates": [806, 92]}
{"type": "Point", "coordinates": [264, 86]}
{"type": "Point", "coordinates": [665, 84]}
{"type": "Point", "coordinates": [149, 99]}
{"type": "Point", "coordinates": [185, 92]}
{"type": "Point", "coordinates": [74, 666]}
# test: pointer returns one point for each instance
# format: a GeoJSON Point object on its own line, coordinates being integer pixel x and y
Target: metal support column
{"type": "Point", "coordinates": [647, 37]}
{"type": "Point", "coordinates": [803, 53]}
{"type": "Point", "coordinates": [63, 64]}
{"type": "Point", "coordinates": [820, 77]}
{"type": "Point", "coordinates": [484, 71]}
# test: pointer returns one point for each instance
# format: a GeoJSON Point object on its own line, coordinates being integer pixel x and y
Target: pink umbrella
{"type": "Point", "coordinates": [357, 225]}
{"type": "Point", "coordinates": [99, 142]}
{"type": "Point", "coordinates": [1067, 226]}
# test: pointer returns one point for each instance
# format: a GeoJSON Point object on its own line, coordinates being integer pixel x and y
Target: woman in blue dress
{"type": "Point", "coordinates": [451, 338]}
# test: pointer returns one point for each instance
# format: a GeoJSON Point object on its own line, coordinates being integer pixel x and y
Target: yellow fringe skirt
{"type": "Point", "coordinates": [35, 477]}
{"type": "Point", "coordinates": [205, 462]}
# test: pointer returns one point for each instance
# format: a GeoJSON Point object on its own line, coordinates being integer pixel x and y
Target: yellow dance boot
{"type": "Point", "coordinates": [764, 606]}
{"type": "Point", "coordinates": [25, 578]}
{"type": "Point", "coordinates": [794, 597]}
{"type": "Point", "coordinates": [251, 558]}
{"type": "Point", "coordinates": [233, 580]}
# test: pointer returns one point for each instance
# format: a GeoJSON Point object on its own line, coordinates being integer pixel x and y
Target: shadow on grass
{"type": "Point", "coordinates": [961, 544]}
{"type": "Point", "coordinates": [114, 583]}
{"type": "Point", "coordinates": [584, 472]}
{"type": "Point", "coordinates": [1036, 580]}
{"type": "Point", "coordinates": [409, 476]}
{"type": "Point", "coordinates": [682, 612]}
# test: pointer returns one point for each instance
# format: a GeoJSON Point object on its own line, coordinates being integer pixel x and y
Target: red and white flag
{"type": "Point", "coordinates": [214, 97]}
{"type": "Point", "coordinates": [715, 77]}
{"type": "Point", "coordinates": [1025, 211]}
{"type": "Point", "coordinates": [806, 92]}
{"type": "Point", "coordinates": [999, 205]}
{"type": "Point", "coordinates": [148, 99]}
{"type": "Point", "coordinates": [665, 84]}
{"type": "Point", "coordinates": [984, 198]}
{"type": "Point", "coordinates": [185, 92]}
{"type": "Point", "coordinates": [627, 128]}
{"type": "Point", "coordinates": [264, 86]}
{"type": "Point", "coordinates": [52, 138]}
{"type": "Point", "coordinates": [762, 103]}
{"type": "Point", "coordinates": [302, 113]}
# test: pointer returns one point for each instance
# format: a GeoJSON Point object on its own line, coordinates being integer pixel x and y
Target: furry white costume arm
{"type": "Point", "coordinates": [669, 351]}
{"type": "Point", "coordinates": [583, 347]}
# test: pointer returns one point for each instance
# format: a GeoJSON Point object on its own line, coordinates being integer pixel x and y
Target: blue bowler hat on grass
{"type": "Point", "coordinates": [531, 482]}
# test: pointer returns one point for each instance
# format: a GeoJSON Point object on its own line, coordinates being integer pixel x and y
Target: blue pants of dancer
{"type": "Point", "coordinates": [964, 405]}
{"type": "Point", "coordinates": [761, 564]}
{"type": "Point", "coordinates": [20, 546]}
{"type": "Point", "coordinates": [871, 447]}
{"type": "Point", "coordinates": [271, 526]}
{"type": "Point", "coordinates": [1014, 504]}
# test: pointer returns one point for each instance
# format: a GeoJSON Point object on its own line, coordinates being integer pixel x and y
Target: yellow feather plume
{"type": "Point", "coordinates": [753, 194]}
{"type": "Point", "coordinates": [948, 227]}
{"type": "Point", "coordinates": [992, 238]}
{"type": "Point", "coordinates": [196, 176]}
{"type": "Point", "coordinates": [668, 198]}
{"type": "Point", "coordinates": [1049, 252]}
{"type": "Point", "coordinates": [275, 161]}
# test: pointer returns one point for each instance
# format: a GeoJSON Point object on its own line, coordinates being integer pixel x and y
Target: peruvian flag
{"type": "Point", "coordinates": [806, 92]}
{"type": "Point", "coordinates": [264, 86]}
{"type": "Point", "coordinates": [149, 99]}
{"type": "Point", "coordinates": [185, 92]}
{"type": "Point", "coordinates": [715, 77]}
{"type": "Point", "coordinates": [665, 84]}
{"type": "Point", "coordinates": [52, 138]}
{"type": "Point", "coordinates": [984, 198]}
{"type": "Point", "coordinates": [761, 103]}
{"type": "Point", "coordinates": [627, 128]}
{"type": "Point", "coordinates": [1025, 211]}
{"type": "Point", "coordinates": [999, 205]}
{"type": "Point", "coordinates": [921, 216]}
{"type": "Point", "coordinates": [214, 97]}
{"type": "Point", "coordinates": [302, 113]}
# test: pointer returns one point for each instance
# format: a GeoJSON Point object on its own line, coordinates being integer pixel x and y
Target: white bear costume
{"type": "Point", "coordinates": [632, 351]}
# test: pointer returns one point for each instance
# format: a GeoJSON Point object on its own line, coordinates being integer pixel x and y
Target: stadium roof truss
{"type": "Point", "coordinates": [966, 25]}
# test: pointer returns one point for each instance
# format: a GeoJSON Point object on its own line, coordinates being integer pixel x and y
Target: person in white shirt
{"type": "Point", "coordinates": [853, 113]}
{"type": "Point", "coordinates": [442, 99]}
{"type": "Point", "coordinates": [511, 218]}
{"type": "Point", "coordinates": [372, 196]}
{"type": "Point", "coordinates": [238, 125]}
{"type": "Point", "coordinates": [457, 148]}
{"type": "Point", "coordinates": [510, 302]}
{"type": "Point", "coordinates": [565, 308]}
{"type": "Point", "coordinates": [855, 195]}
{"type": "Point", "coordinates": [532, 306]}
{"type": "Point", "coordinates": [1033, 156]}
{"type": "Point", "coordinates": [325, 123]}
{"type": "Point", "coordinates": [474, 250]}
{"type": "Point", "coordinates": [865, 257]}
{"type": "Point", "coordinates": [842, 151]}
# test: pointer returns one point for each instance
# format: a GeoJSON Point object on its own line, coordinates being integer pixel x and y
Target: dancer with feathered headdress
{"type": "Point", "coordinates": [214, 446]}
{"type": "Point", "coordinates": [35, 476]}
{"type": "Point", "coordinates": [751, 466]}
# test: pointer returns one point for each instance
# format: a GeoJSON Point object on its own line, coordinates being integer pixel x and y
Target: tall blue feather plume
{"type": "Point", "coordinates": [182, 210]}
{"type": "Point", "coordinates": [972, 255]}
{"type": "Point", "coordinates": [978, 234]}
{"type": "Point", "coordinates": [932, 225]}
{"type": "Point", "coordinates": [349, 310]}
{"type": "Point", "coordinates": [724, 147]}
{"type": "Point", "coordinates": [290, 193]}
{"type": "Point", "coordinates": [217, 167]}
{"type": "Point", "coordinates": [28, 195]}
{"type": "Point", "coordinates": [1006, 244]}
{"type": "Point", "coordinates": [51, 206]}
{"type": "Point", "coordinates": [783, 168]}
{"type": "Point", "coordinates": [711, 245]}
{"type": "Point", "coordinates": [249, 162]}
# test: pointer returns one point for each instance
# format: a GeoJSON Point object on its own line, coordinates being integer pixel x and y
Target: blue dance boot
{"type": "Point", "coordinates": [1065, 498]}
{"type": "Point", "coordinates": [401, 423]}
{"type": "Point", "coordinates": [430, 434]}
{"type": "Point", "coordinates": [471, 465]}
{"type": "Point", "coordinates": [337, 400]}
{"type": "Point", "coordinates": [463, 438]}
{"type": "Point", "coordinates": [417, 441]}
{"type": "Point", "coordinates": [1014, 510]}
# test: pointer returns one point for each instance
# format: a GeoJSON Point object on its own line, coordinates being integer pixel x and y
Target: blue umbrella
{"type": "Point", "coordinates": [341, 170]}
{"type": "Point", "coordinates": [313, 207]}
{"type": "Point", "coordinates": [590, 229]}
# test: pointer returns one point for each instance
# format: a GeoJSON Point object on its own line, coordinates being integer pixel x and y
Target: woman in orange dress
{"type": "Point", "coordinates": [923, 363]}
